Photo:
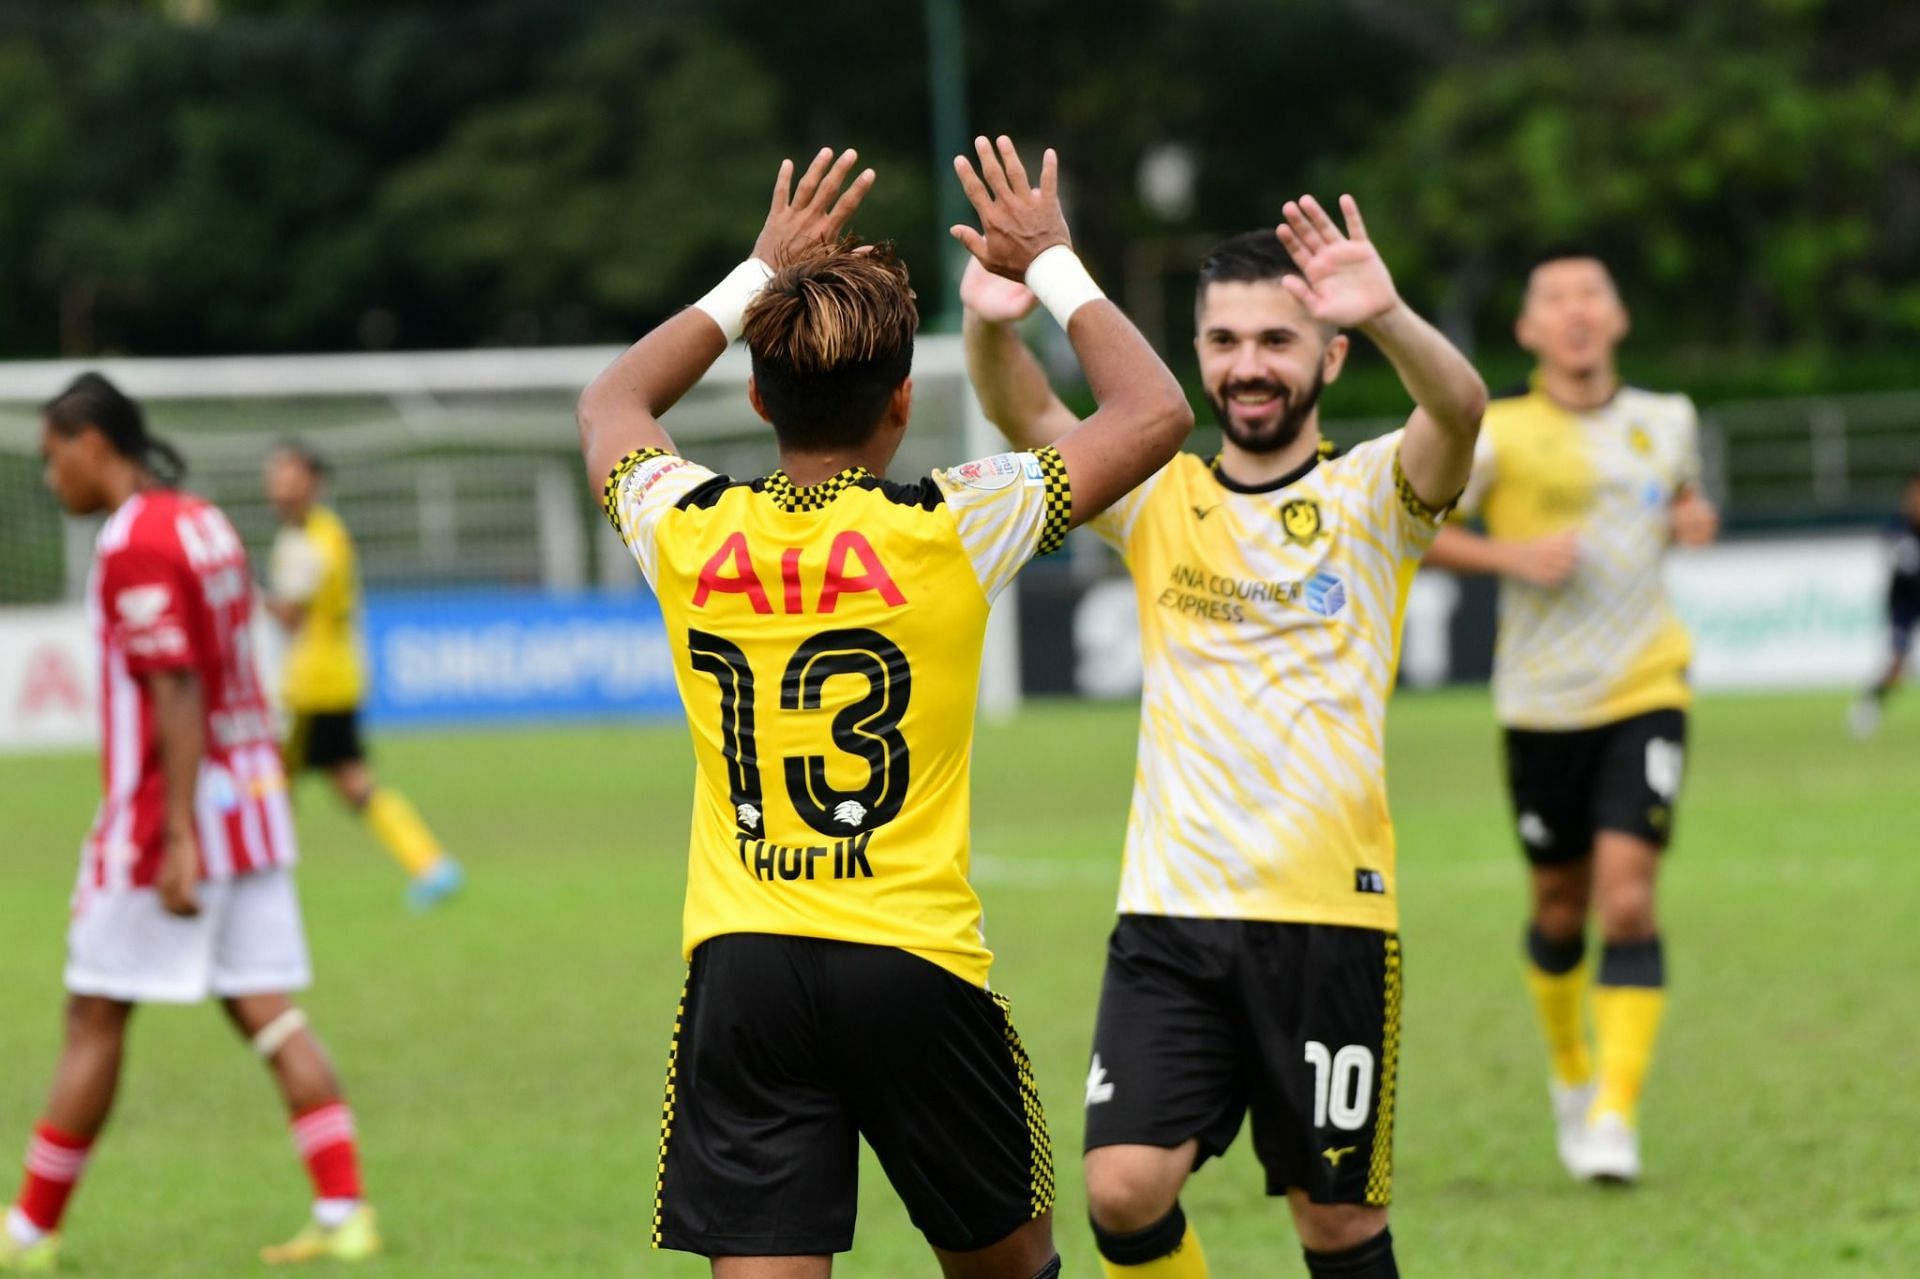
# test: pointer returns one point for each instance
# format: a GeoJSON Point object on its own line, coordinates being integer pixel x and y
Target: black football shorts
{"type": "Point", "coordinates": [1205, 1020]}
{"type": "Point", "coordinates": [788, 1050]}
{"type": "Point", "coordinates": [1566, 786]}
{"type": "Point", "coordinates": [322, 740]}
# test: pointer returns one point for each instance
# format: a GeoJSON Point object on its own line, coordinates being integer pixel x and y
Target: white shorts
{"type": "Point", "coordinates": [247, 940]}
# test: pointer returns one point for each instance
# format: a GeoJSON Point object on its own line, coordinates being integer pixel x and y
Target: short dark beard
{"type": "Point", "coordinates": [1293, 417]}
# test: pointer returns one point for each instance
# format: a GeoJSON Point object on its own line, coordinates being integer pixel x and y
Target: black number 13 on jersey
{"type": "Point", "coordinates": [867, 728]}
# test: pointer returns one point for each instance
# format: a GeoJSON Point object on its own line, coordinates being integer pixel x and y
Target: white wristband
{"type": "Point", "coordinates": [726, 303]}
{"type": "Point", "coordinates": [1060, 280]}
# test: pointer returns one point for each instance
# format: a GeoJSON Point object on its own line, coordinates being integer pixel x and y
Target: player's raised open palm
{"type": "Point", "coordinates": [1018, 221]}
{"type": "Point", "coordinates": [995, 298]}
{"type": "Point", "coordinates": [813, 212]}
{"type": "Point", "coordinates": [1346, 282]}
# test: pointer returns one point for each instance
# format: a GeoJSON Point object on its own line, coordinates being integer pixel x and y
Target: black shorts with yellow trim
{"type": "Point", "coordinates": [322, 740]}
{"type": "Point", "coordinates": [1203, 1021]}
{"type": "Point", "coordinates": [789, 1050]}
{"type": "Point", "coordinates": [1567, 786]}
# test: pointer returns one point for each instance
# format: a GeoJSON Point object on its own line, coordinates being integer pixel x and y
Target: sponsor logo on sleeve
{"type": "Point", "coordinates": [141, 606]}
{"type": "Point", "coordinates": [643, 477]}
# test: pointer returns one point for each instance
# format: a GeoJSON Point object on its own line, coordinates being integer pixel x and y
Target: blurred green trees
{"type": "Point", "coordinates": [250, 175]}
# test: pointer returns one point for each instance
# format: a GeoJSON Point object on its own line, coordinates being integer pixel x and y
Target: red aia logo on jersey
{"type": "Point", "coordinates": [853, 566]}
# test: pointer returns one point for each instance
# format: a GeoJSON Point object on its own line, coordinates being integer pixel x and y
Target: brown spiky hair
{"type": "Point", "coordinates": [831, 337]}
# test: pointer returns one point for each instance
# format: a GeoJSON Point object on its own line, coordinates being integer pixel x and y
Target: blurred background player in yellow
{"type": "Point", "coordinates": [313, 591]}
{"type": "Point", "coordinates": [1582, 483]}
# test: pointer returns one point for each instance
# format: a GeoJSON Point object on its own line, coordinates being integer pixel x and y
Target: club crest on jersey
{"type": "Point", "coordinates": [1639, 441]}
{"type": "Point", "coordinates": [1300, 519]}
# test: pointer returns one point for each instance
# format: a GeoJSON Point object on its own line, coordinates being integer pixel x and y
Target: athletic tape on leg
{"type": "Point", "coordinates": [274, 1035]}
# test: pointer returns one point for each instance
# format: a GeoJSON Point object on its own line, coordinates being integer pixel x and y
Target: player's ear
{"type": "Point", "coordinates": [1334, 357]}
{"type": "Point", "coordinates": [753, 398]}
{"type": "Point", "coordinates": [900, 404]}
{"type": "Point", "coordinates": [1524, 335]}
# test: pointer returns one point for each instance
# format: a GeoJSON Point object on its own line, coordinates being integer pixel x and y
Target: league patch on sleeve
{"type": "Point", "coordinates": [989, 473]}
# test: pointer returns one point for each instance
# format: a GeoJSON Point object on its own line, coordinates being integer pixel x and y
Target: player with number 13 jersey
{"type": "Point", "coordinates": [827, 627]}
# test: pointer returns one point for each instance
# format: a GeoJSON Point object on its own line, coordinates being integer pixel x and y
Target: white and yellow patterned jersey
{"type": "Point", "coordinates": [1605, 645]}
{"type": "Point", "coordinates": [827, 646]}
{"type": "Point", "coordinates": [1270, 635]}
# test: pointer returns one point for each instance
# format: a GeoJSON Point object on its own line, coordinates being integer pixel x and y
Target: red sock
{"type": "Point", "coordinates": [55, 1161]}
{"type": "Point", "coordinates": [324, 1137]}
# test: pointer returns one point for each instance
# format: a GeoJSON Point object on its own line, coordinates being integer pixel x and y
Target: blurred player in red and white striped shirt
{"type": "Point", "coordinates": [186, 886]}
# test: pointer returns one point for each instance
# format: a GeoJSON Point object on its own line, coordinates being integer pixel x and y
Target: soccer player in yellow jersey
{"type": "Point", "coordinates": [1582, 484]}
{"type": "Point", "coordinates": [827, 627]}
{"type": "Point", "coordinates": [313, 591]}
{"type": "Point", "coordinates": [1256, 964]}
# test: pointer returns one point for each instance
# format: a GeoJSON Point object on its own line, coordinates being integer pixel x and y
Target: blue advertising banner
{"type": "Point", "coordinates": [516, 655]}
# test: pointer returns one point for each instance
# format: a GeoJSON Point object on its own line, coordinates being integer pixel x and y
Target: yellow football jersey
{"type": "Point", "coordinates": [314, 565]}
{"type": "Point", "coordinates": [827, 647]}
{"type": "Point", "coordinates": [1270, 635]}
{"type": "Point", "coordinates": [1606, 644]}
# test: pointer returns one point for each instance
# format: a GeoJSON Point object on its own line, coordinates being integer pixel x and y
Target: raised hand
{"type": "Point", "coordinates": [994, 298]}
{"type": "Point", "coordinates": [1345, 282]}
{"type": "Point", "coordinates": [814, 212]}
{"type": "Point", "coordinates": [1017, 221]}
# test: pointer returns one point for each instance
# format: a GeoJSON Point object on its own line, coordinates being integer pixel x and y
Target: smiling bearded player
{"type": "Point", "coordinates": [1255, 966]}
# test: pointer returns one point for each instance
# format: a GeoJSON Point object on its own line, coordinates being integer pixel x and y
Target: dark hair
{"type": "Point", "coordinates": [1567, 251]}
{"type": "Point", "coordinates": [831, 337]}
{"type": "Point", "coordinates": [305, 454]}
{"type": "Point", "coordinates": [1251, 257]}
{"type": "Point", "coordinates": [1247, 258]}
{"type": "Point", "coordinates": [92, 401]}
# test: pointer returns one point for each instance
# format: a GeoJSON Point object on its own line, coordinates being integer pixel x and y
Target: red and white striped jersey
{"type": "Point", "coordinates": [171, 591]}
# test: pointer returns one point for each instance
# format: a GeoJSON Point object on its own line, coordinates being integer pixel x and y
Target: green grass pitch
{"type": "Point", "coordinates": [505, 1055]}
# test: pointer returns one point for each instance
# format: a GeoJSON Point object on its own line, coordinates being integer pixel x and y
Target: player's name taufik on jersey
{"type": "Point", "coordinates": [827, 643]}
{"type": "Point", "coordinates": [771, 863]}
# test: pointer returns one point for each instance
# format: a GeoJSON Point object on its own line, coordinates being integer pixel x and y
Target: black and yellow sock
{"type": "Point", "coordinates": [1370, 1260]}
{"type": "Point", "coordinates": [395, 823]}
{"type": "Point", "coordinates": [1557, 977]}
{"type": "Point", "coordinates": [1628, 1000]}
{"type": "Point", "coordinates": [1168, 1249]}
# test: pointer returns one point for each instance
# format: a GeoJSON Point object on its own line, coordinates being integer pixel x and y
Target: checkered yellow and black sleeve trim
{"type": "Point", "coordinates": [1058, 519]}
{"type": "Point", "coordinates": [610, 494]}
{"type": "Point", "coordinates": [1412, 501]}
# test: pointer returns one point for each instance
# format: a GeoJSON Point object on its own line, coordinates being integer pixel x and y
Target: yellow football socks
{"type": "Point", "coordinates": [1560, 1000]}
{"type": "Point", "coordinates": [1626, 1021]}
{"type": "Point", "coordinates": [1186, 1261]}
{"type": "Point", "coordinates": [395, 824]}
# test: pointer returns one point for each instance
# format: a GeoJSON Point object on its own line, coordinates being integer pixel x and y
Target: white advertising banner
{"type": "Point", "coordinates": [1773, 613]}
{"type": "Point", "coordinates": [49, 679]}
{"type": "Point", "coordinates": [1801, 613]}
